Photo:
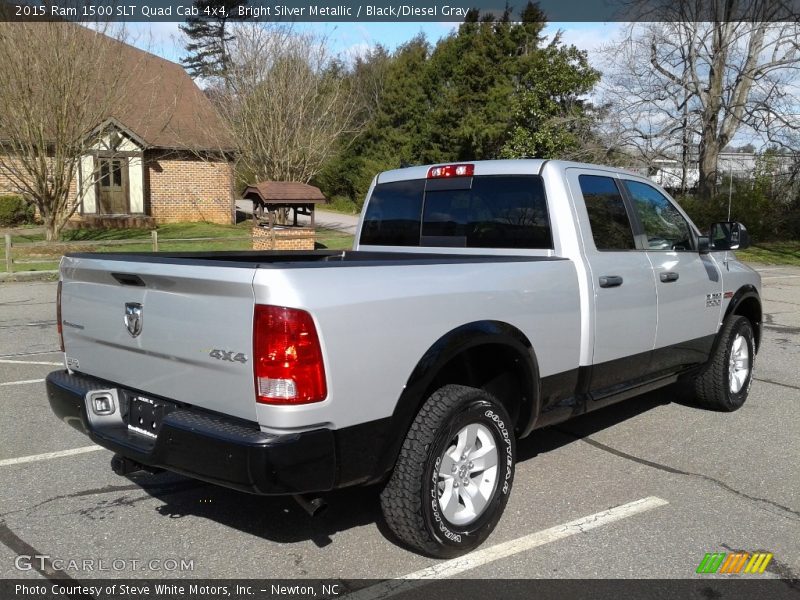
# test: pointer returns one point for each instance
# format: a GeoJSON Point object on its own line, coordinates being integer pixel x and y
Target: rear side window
{"type": "Point", "coordinates": [611, 227]}
{"type": "Point", "coordinates": [392, 217]}
{"type": "Point", "coordinates": [503, 211]}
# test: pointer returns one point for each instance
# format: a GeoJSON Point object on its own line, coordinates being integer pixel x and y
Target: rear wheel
{"type": "Point", "coordinates": [725, 381]}
{"type": "Point", "coordinates": [454, 473]}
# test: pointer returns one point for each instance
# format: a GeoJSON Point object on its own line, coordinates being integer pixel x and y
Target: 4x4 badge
{"type": "Point", "coordinates": [133, 318]}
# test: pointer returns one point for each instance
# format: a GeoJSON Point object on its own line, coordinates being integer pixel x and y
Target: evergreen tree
{"type": "Point", "coordinates": [493, 89]}
{"type": "Point", "coordinates": [396, 127]}
{"type": "Point", "coordinates": [550, 119]}
{"type": "Point", "coordinates": [208, 34]}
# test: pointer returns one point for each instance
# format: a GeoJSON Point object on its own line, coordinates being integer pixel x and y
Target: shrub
{"type": "Point", "coordinates": [342, 204]}
{"type": "Point", "coordinates": [15, 210]}
{"type": "Point", "coordinates": [768, 214]}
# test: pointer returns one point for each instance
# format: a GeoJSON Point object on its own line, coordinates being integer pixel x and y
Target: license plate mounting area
{"type": "Point", "coordinates": [146, 415]}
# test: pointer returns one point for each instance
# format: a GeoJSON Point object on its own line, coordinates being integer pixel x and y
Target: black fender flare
{"type": "Point", "coordinates": [743, 293]}
{"type": "Point", "coordinates": [444, 350]}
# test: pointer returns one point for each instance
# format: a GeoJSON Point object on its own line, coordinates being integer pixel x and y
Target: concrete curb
{"type": "Point", "coordinates": [29, 276]}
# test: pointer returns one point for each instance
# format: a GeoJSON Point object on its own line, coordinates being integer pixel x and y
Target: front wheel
{"type": "Point", "coordinates": [725, 381]}
{"type": "Point", "coordinates": [454, 473]}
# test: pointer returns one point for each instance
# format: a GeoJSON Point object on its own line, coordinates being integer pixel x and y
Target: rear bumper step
{"type": "Point", "coordinates": [222, 450]}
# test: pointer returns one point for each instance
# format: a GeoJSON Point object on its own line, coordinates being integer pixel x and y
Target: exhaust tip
{"type": "Point", "coordinates": [313, 506]}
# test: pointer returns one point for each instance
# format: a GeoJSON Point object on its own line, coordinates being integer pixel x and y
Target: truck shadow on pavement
{"type": "Point", "coordinates": [551, 438]}
{"type": "Point", "coordinates": [275, 518]}
{"type": "Point", "coordinates": [280, 519]}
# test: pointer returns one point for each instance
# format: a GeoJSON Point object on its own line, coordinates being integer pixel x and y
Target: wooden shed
{"type": "Point", "coordinates": [277, 197]}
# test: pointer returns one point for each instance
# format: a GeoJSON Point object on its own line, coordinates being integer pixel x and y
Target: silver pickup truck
{"type": "Point", "coordinates": [481, 302]}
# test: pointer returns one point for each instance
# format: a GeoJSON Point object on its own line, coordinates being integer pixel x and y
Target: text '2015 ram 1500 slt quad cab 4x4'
{"type": "Point", "coordinates": [481, 301]}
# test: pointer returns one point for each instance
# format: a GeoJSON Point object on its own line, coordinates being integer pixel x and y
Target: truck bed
{"type": "Point", "coordinates": [374, 323]}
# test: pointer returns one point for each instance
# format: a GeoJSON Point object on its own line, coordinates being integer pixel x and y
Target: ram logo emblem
{"type": "Point", "coordinates": [133, 318]}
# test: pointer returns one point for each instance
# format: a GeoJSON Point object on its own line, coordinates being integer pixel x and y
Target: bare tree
{"type": "Point", "coordinates": [646, 117]}
{"type": "Point", "coordinates": [58, 83]}
{"type": "Point", "coordinates": [695, 79]}
{"type": "Point", "coordinates": [286, 100]}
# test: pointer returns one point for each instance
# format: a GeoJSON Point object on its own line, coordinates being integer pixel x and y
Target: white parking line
{"type": "Point", "coordinates": [30, 362]}
{"type": "Point", "coordinates": [781, 277]}
{"type": "Point", "coordinates": [30, 353]}
{"type": "Point", "coordinates": [456, 566]}
{"type": "Point", "coordinates": [24, 381]}
{"type": "Point", "coordinates": [48, 455]}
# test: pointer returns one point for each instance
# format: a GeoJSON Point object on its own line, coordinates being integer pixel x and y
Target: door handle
{"type": "Point", "coordinates": [668, 276]}
{"type": "Point", "coordinates": [607, 281]}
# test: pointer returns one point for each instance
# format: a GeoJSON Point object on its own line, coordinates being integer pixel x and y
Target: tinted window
{"type": "Point", "coordinates": [392, 217]}
{"type": "Point", "coordinates": [496, 212]}
{"type": "Point", "coordinates": [611, 227]}
{"type": "Point", "coordinates": [482, 212]}
{"type": "Point", "coordinates": [665, 227]}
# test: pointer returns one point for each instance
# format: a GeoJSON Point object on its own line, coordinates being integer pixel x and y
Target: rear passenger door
{"type": "Point", "coordinates": [624, 311]}
{"type": "Point", "coordinates": [688, 284]}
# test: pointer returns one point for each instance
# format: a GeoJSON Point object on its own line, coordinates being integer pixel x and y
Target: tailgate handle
{"type": "Point", "coordinates": [128, 279]}
{"type": "Point", "coordinates": [607, 281]}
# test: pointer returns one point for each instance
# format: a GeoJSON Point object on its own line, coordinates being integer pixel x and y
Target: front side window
{"type": "Point", "coordinates": [664, 226]}
{"type": "Point", "coordinates": [611, 227]}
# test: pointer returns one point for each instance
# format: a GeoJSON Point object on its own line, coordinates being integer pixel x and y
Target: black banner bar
{"type": "Point", "coordinates": [729, 588]}
{"type": "Point", "coordinates": [397, 10]}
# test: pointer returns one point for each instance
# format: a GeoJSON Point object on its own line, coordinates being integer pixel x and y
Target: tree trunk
{"type": "Point", "coordinates": [707, 163]}
{"type": "Point", "coordinates": [52, 232]}
{"type": "Point", "coordinates": [685, 140]}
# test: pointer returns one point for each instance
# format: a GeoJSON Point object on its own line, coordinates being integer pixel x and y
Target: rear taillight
{"type": "Point", "coordinates": [451, 171]}
{"type": "Point", "coordinates": [287, 358]}
{"type": "Point", "coordinates": [58, 318]}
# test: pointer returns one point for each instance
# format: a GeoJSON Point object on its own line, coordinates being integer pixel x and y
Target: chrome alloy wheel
{"type": "Point", "coordinates": [468, 474]}
{"type": "Point", "coordinates": [738, 364]}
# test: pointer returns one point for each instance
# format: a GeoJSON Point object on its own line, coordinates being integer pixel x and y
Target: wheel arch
{"type": "Point", "coordinates": [492, 355]}
{"type": "Point", "coordinates": [747, 303]}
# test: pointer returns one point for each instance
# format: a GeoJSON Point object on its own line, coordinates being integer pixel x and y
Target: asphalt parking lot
{"type": "Point", "coordinates": [723, 482]}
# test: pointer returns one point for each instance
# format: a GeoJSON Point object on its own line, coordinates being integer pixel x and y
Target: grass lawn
{"type": "Point", "coordinates": [169, 231]}
{"type": "Point", "coordinates": [772, 253]}
{"type": "Point", "coordinates": [174, 237]}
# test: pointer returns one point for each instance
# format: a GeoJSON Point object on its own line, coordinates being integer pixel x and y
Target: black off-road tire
{"type": "Point", "coordinates": [712, 385]}
{"type": "Point", "coordinates": [410, 500]}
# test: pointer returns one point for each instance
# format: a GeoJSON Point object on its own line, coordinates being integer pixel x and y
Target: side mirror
{"type": "Point", "coordinates": [729, 235]}
{"type": "Point", "coordinates": [703, 244]}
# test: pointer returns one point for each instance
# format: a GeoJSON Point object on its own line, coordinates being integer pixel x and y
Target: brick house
{"type": "Point", "coordinates": [162, 156]}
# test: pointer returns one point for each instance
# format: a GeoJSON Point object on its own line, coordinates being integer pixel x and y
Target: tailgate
{"type": "Point", "coordinates": [193, 342]}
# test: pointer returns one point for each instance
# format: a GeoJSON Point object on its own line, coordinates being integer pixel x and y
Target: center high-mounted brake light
{"type": "Point", "coordinates": [451, 171]}
{"type": "Point", "coordinates": [287, 363]}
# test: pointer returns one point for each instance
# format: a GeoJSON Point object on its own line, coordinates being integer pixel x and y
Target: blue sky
{"type": "Point", "coordinates": [164, 38]}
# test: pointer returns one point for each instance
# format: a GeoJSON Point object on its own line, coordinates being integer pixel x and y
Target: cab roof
{"type": "Point", "coordinates": [523, 166]}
